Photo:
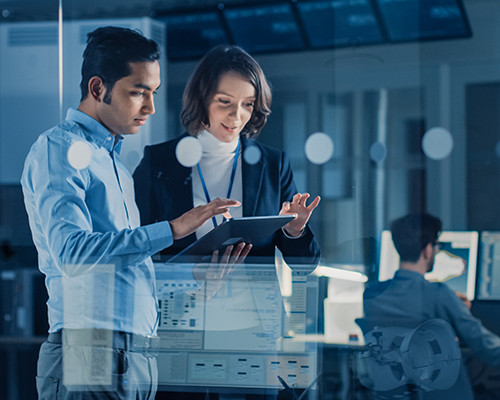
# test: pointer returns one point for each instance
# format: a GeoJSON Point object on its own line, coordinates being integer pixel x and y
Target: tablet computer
{"type": "Point", "coordinates": [245, 229]}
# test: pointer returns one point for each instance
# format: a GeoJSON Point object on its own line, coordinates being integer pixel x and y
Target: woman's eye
{"type": "Point", "coordinates": [250, 104]}
{"type": "Point", "coordinates": [223, 101]}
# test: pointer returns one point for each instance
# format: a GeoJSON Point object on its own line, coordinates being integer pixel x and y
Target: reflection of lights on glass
{"type": "Point", "coordinates": [437, 143]}
{"type": "Point", "coordinates": [252, 155]}
{"type": "Point", "coordinates": [188, 151]}
{"type": "Point", "coordinates": [79, 155]}
{"type": "Point", "coordinates": [319, 148]}
{"type": "Point", "coordinates": [378, 152]}
{"type": "Point", "coordinates": [340, 273]}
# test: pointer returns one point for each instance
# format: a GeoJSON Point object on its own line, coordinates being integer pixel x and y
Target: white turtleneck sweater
{"type": "Point", "coordinates": [216, 165]}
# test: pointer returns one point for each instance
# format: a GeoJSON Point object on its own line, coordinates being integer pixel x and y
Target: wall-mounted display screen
{"type": "Point", "coordinates": [264, 28]}
{"type": "Point", "coordinates": [339, 23]}
{"type": "Point", "coordinates": [190, 36]}
{"type": "Point", "coordinates": [407, 20]}
{"type": "Point", "coordinates": [313, 24]}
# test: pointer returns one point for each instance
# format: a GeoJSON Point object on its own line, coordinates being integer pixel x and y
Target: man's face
{"type": "Point", "coordinates": [131, 99]}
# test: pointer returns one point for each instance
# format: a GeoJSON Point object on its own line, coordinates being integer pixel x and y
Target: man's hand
{"type": "Point", "coordinates": [303, 212]}
{"type": "Point", "coordinates": [188, 222]}
{"type": "Point", "coordinates": [464, 298]}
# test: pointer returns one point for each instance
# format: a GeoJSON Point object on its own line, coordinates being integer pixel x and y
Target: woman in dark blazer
{"type": "Point", "coordinates": [226, 102]}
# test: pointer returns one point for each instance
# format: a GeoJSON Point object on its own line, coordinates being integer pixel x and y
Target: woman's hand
{"type": "Point", "coordinates": [298, 206]}
{"type": "Point", "coordinates": [216, 273]}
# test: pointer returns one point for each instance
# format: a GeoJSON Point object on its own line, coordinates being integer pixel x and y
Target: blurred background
{"type": "Point", "coordinates": [383, 106]}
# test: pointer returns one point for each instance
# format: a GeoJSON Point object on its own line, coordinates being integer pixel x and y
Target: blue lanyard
{"type": "Point", "coordinates": [231, 180]}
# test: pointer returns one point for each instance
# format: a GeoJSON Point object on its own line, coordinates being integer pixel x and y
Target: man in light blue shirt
{"type": "Point", "coordinates": [85, 225]}
{"type": "Point", "coordinates": [409, 300]}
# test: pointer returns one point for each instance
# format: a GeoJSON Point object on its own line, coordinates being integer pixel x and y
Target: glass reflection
{"type": "Point", "coordinates": [453, 84]}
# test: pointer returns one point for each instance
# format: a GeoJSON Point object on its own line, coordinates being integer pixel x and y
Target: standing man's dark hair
{"type": "Point", "coordinates": [202, 86]}
{"type": "Point", "coordinates": [109, 51]}
{"type": "Point", "coordinates": [412, 233]}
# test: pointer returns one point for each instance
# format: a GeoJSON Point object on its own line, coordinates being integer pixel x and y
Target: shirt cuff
{"type": "Point", "coordinates": [160, 236]}
{"type": "Point", "coordinates": [293, 237]}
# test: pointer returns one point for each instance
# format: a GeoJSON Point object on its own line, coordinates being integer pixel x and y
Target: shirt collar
{"type": "Point", "coordinates": [406, 273]}
{"type": "Point", "coordinates": [96, 133]}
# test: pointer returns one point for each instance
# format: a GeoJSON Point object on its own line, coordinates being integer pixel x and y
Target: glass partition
{"type": "Point", "coordinates": [378, 125]}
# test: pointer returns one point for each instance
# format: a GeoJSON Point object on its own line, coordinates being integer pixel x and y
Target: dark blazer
{"type": "Point", "coordinates": [163, 191]}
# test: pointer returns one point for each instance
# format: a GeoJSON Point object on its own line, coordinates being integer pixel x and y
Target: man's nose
{"type": "Point", "coordinates": [149, 105]}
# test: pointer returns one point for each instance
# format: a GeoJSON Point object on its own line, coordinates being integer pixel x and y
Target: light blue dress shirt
{"type": "Point", "coordinates": [85, 226]}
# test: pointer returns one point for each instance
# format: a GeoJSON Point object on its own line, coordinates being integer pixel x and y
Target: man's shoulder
{"type": "Point", "coordinates": [64, 132]}
{"type": "Point", "coordinates": [375, 288]}
{"type": "Point", "coordinates": [60, 135]}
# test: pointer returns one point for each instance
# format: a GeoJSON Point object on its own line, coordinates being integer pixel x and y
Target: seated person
{"type": "Point", "coordinates": [410, 300]}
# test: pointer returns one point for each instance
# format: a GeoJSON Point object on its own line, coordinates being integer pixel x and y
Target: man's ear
{"type": "Point", "coordinates": [427, 251]}
{"type": "Point", "coordinates": [96, 88]}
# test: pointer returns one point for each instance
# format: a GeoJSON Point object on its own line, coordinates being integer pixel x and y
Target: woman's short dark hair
{"type": "Point", "coordinates": [412, 233]}
{"type": "Point", "coordinates": [203, 83]}
{"type": "Point", "coordinates": [109, 52]}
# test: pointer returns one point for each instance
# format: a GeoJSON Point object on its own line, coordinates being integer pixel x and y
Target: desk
{"type": "Point", "coordinates": [338, 377]}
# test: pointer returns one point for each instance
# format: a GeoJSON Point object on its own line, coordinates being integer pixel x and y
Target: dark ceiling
{"type": "Point", "coordinates": [42, 10]}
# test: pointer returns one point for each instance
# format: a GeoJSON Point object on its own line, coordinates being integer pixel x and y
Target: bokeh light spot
{"type": "Point", "coordinates": [497, 149]}
{"type": "Point", "coordinates": [319, 148]}
{"type": "Point", "coordinates": [378, 152]}
{"type": "Point", "coordinates": [252, 155]}
{"type": "Point", "coordinates": [79, 155]}
{"type": "Point", "coordinates": [437, 143]}
{"type": "Point", "coordinates": [188, 151]}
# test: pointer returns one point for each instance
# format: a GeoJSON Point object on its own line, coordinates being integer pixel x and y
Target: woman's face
{"type": "Point", "coordinates": [231, 107]}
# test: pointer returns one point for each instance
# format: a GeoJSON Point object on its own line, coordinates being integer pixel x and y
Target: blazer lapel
{"type": "Point", "coordinates": [178, 181]}
{"type": "Point", "coordinates": [252, 175]}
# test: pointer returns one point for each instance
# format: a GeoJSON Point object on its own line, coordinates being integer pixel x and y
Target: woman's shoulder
{"type": "Point", "coordinates": [161, 148]}
{"type": "Point", "coordinates": [267, 151]}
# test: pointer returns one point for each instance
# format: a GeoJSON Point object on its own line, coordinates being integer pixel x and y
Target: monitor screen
{"type": "Point", "coordinates": [488, 287]}
{"type": "Point", "coordinates": [238, 335]}
{"type": "Point", "coordinates": [339, 23]}
{"type": "Point", "coordinates": [455, 264]}
{"type": "Point", "coordinates": [407, 20]}
{"type": "Point", "coordinates": [264, 28]}
{"type": "Point", "coordinates": [191, 35]}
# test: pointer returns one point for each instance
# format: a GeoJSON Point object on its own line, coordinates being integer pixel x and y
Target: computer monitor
{"type": "Point", "coordinates": [236, 336]}
{"type": "Point", "coordinates": [488, 286]}
{"type": "Point", "coordinates": [455, 264]}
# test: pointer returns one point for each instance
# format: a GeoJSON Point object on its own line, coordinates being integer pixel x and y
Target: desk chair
{"type": "Point", "coordinates": [407, 359]}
